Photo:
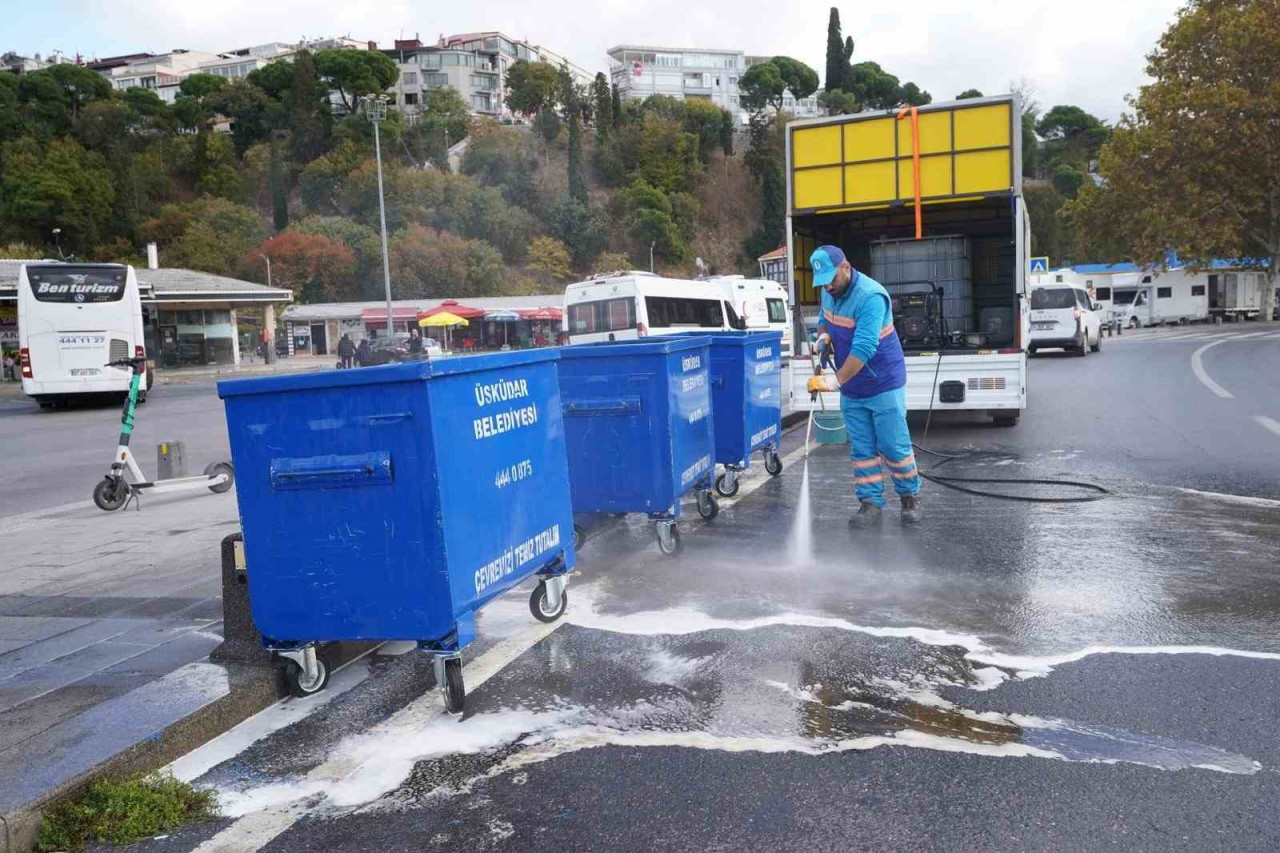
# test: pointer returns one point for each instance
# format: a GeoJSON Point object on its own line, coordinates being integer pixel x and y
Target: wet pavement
{"type": "Point", "coordinates": [1005, 676]}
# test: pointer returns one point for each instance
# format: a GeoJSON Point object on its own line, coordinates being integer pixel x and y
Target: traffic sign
{"type": "Point", "coordinates": [1039, 265]}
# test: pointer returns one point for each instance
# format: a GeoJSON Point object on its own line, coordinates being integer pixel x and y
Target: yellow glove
{"type": "Point", "coordinates": [823, 383]}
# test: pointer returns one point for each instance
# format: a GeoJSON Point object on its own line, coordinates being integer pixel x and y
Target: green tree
{"type": "Point", "coordinates": [55, 185]}
{"type": "Point", "coordinates": [968, 93]}
{"type": "Point", "coordinates": [532, 87]}
{"type": "Point", "coordinates": [550, 259]}
{"type": "Point", "coordinates": [1068, 180]}
{"type": "Point", "coordinates": [838, 102]}
{"type": "Point", "coordinates": [878, 89]}
{"type": "Point", "coordinates": [1050, 234]}
{"type": "Point", "coordinates": [248, 108]}
{"type": "Point", "coordinates": [765, 84]}
{"type": "Point", "coordinates": [582, 229]}
{"type": "Point", "coordinates": [726, 133]}
{"type": "Point", "coordinates": [10, 121]}
{"type": "Point", "coordinates": [208, 234]}
{"type": "Point", "coordinates": [654, 150]}
{"type": "Point", "coordinates": [577, 172]}
{"type": "Point", "coordinates": [355, 74]}
{"type": "Point", "coordinates": [322, 180]}
{"type": "Point", "coordinates": [1072, 136]}
{"type": "Point", "coordinates": [602, 100]}
{"type": "Point", "coordinates": [80, 86]}
{"type": "Point", "coordinates": [705, 121]}
{"type": "Point", "coordinates": [836, 60]}
{"type": "Point", "coordinates": [505, 158]}
{"type": "Point", "coordinates": [310, 118]}
{"type": "Point", "coordinates": [616, 97]}
{"type": "Point", "coordinates": [1195, 168]}
{"type": "Point", "coordinates": [279, 192]}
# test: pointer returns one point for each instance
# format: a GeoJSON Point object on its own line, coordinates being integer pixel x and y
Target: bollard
{"type": "Point", "coordinates": [241, 641]}
{"type": "Point", "coordinates": [171, 460]}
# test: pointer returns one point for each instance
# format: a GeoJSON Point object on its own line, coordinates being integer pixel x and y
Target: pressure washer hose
{"type": "Point", "coordinates": [1098, 492]}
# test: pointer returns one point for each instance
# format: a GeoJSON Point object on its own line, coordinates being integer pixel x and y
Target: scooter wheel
{"type": "Point", "coordinates": [723, 490]}
{"type": "Point", "coordinates": [541, 608]}
{"type": "Point", "coordinates": [708, 506]}
{"type": "Point", "coordinates": [110, 493]}
{"type": "Point", "coordinates": [454, 691]}
{"type": "Point", "coordinates": [213, 469]}
{"type": "Point", "coordinates": [299, 685]}
{"type": "Point", "coordinates": [773, 463]}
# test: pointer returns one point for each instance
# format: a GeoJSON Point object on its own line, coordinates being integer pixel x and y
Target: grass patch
{"type": "Point", "coordinates": [123, 810]}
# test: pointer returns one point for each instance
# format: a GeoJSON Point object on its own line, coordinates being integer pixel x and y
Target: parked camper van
{"type": "Point", "coordinates": [628, 305]}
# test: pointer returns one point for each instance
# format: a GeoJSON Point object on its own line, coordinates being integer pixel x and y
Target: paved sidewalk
{"type": "Point", "coordinates": [297, 364]}
{"type": "Point", "coordinates": [94, 605]}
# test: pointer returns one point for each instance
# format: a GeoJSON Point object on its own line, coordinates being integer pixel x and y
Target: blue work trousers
{"type": "Point", "coordinates": [880, 444]}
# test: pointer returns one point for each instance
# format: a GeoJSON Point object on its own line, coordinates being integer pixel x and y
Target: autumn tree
{"type": "Point", "coordinates": [549, 258]}
{"type": "Point", "coordinates": [1195, 167]}
{"type": "Point", "coordinates": [315, 268]}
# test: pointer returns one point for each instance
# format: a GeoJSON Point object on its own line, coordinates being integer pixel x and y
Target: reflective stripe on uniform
{"type": "Point", "coordinates": [908, 462]}
{"type": "Point", "coordinates": [873, 462]}
{"type": "Point", "coordinates": [868, 479]}
{"type": "Point", "coordinates": [837, 320]}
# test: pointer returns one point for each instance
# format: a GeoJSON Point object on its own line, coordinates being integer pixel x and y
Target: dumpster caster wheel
{"type": "Point", "coordinates": [773, 464]}
{"type": "Point", "coordinates": [669, 539]}
{"type": "Point", "coordinates": [296, 678]}
{"type": "Point", "coordinates": [579, 537]}
{"type": "Point", "coordinates": [708, 506]}
{"type": "Point", "coordinates": [453, 691]}
{"type": "Point", "coordinates": [725, 488]}
{"type": "Point", "coordinates": [213, 469]}
{"type": "Point", "coordinates": [540, 606]}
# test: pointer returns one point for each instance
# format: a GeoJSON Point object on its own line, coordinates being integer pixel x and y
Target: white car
{"type": "Point", "coordinates": [1063, 316]}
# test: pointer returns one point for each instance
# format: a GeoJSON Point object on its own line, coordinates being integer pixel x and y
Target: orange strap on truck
{"type": "Point", "coordinates": [915, 161]}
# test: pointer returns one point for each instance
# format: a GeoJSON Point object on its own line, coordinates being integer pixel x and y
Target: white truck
{"type": "Point", "coordinates": [929, 203]}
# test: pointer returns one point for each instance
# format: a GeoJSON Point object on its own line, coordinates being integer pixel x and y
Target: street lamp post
{"type": "Point", "coordinates": [268, 260]}
{"type": "Point", "coordinates": [376, 110]}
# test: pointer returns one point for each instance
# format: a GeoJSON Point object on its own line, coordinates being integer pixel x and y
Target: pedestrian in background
{"type": "Point", "coordinates": [364, 353]}
{"type": "Point", "coordinates": [415, 344]}
{"type": "Point", "coordinates": [9, 372]}
{"type": "Point", "coordinates": [346, 351]}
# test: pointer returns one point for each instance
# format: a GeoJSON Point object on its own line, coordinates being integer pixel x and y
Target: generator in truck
{"type": "Point", "coordinates": [927, 201]}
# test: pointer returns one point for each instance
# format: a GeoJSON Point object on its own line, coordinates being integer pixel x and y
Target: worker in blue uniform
{"type": "Point", "coordinates": [857, 338]}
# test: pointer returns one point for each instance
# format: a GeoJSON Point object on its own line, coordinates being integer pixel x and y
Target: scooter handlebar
{"type": "Point", "coordinates": [126, 362]}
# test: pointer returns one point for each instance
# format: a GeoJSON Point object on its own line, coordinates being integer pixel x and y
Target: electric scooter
{"type": "Point", "coordinates": [114, 491]}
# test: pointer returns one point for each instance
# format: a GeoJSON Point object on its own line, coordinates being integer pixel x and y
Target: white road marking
{"type": "Point", "coordinates": [1197, 367]}
{"type": "Point", "coordinates": [1249, 335]}
{"type": "Point", "coordinates": [256, 829]}
{"type": "Point", "coordinates": [1268, 423]}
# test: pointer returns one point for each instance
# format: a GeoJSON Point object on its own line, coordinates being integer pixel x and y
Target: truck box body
{"type": "Point", "coordinates": [851, 183]}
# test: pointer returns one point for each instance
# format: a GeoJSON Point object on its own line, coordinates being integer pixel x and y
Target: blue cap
{"type": "Point", "coordinates": [825, 260]}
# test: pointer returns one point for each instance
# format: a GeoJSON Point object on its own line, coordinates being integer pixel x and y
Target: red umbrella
{"type": "Point", "coordinates": [453, 307]}
{"type": "Point", "coordinates": [551, 314]}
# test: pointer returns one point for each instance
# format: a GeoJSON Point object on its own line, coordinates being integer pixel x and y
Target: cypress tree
{"type": "Point", "coordinates": [616, 97]}
{"type": "Point", "coordinates": [836, 60]}
{"type": "Point", "coordinates": [603, 102]}
{"type": "Point", "coordinates": [577, 177]}
{"type": "Point", "coordinates": [279, 194]}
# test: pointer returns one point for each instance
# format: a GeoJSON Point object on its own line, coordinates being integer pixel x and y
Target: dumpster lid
{"type": "Point", "coordinates": [657, 345]}
{"type": "Point", "coordinates": [408, 371]}
{"type": "Point", "coordinates": [743, 337]}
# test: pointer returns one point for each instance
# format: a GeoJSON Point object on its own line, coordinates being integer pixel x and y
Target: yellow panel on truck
{"type": "Point", "coordinates": [963, 149]}
{"type": "Point", "coordinates": [928, 202]}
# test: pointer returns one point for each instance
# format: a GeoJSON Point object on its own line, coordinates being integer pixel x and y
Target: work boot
{"type": "Point", "coordinates": [868, 515]}
{"type": "Point", "coordinates": [910, 510]}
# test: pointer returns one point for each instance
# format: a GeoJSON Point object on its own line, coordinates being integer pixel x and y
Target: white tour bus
{"type": "Point", "coordinates": [628, 305]}
{"type": "Point", "coordinates": [72, 320]}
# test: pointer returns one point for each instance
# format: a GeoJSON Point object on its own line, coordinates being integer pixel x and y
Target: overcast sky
{"type": "Point", "coordinates": [1084, 52]}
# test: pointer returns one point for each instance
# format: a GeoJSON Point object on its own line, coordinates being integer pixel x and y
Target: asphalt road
{"type": "Point", "coordinates": [1136, 411]}
{"type": "Point", "coordinates": [1006, 676]}
{"type": "Point", "coordinates": [56, 456]}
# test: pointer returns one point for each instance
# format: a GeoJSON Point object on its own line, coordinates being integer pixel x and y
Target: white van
{"type": "Point", "coordinates": [628, 305]}
{"type": "Point", "coordinates": [1063, 315]}
{"type": "Point", "coordinates": [759, 303]}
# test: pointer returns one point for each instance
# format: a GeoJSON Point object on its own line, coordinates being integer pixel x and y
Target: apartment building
{"type": "Point", "coordinates": [475, 64]}
{"type": "Point", "coordinates": [640, 71]}
{"type": "Point", "coordinates": [162, 73]}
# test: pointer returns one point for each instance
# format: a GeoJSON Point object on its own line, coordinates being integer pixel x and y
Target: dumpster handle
{"type": "Point", "coordinates": [390, 417]}
{"type": "Point", "coordinates": [320, 471]}
{"type": "Point", "coordinates": [604, 406]}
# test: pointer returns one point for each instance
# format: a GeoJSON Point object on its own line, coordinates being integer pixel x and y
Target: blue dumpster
{"type": "Point", "coordinates": [746, 393]}
{"type": "Point", "coordinates": [639, 428]}
{"type": "Point", "coordinates": [390, 503]}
